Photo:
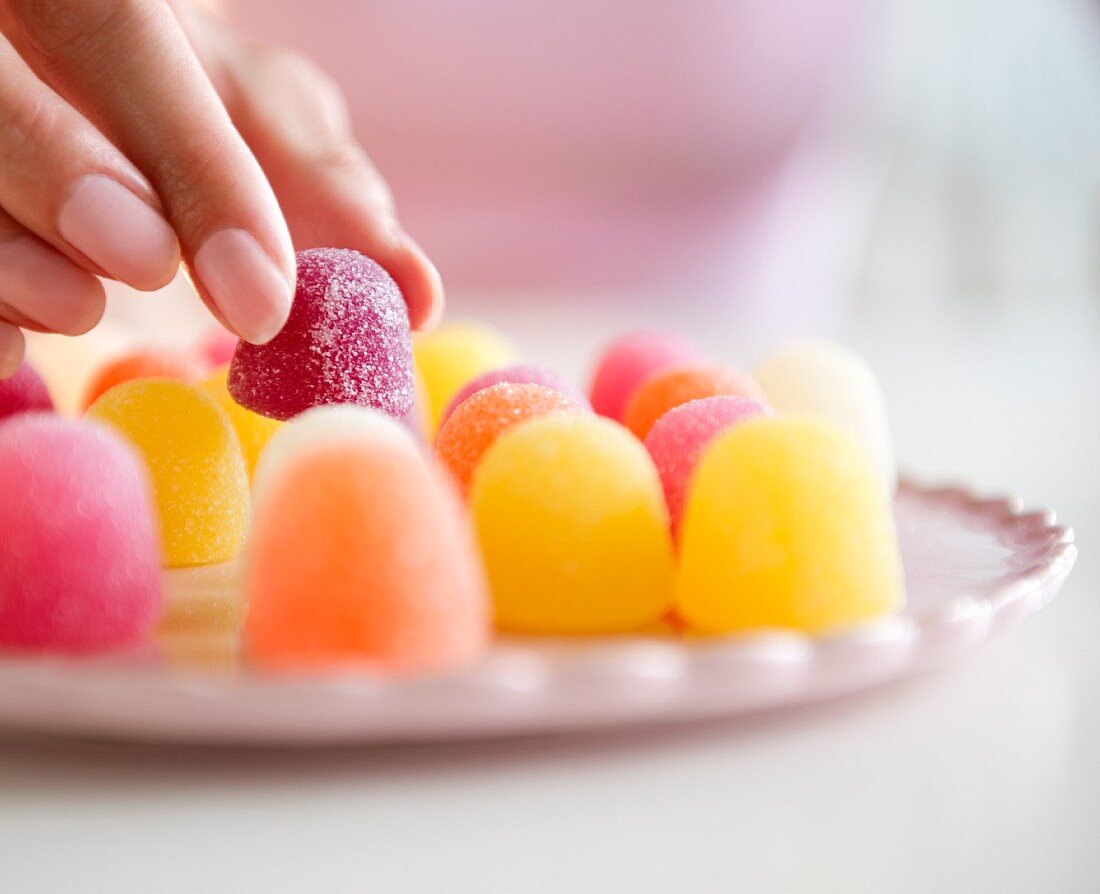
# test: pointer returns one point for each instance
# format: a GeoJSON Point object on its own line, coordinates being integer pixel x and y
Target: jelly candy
{"type": "Point", "coordinates": [79, 552]}
{"type": "Point", "coordinates": [573, 528]}
{"type": "Point", "coordinates": [198, 470]}
{"type": "Point", "coordinates": [360, 556]}
{"type": "Point", "coordinates": [452, 355]}
{"type": "Point", "coordinates": [23, 391]}
{"type": "Point", "coordinates": [517, 374]}
{"type": "Point", "coordinates": [253, 430]}
{"type": "Point", "coordinates": [347, 341]}
{"type": "Point", "coordinates": [786, 525]}
{"type": "Point", "coordinates": [678, 438]}
{"type": "Point", "coordinates": [630, 360]}
{"type": "Point", "coordinates": [817, 378]}
{"type": "Point", "coordinates": [145, 364]}
{"type": "Point", "coordinates": [480, 420]}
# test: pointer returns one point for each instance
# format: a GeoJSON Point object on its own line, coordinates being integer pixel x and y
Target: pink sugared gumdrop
{"type": "Point", "coordinates": [630, 360]}
{"type": "Point", "coordinates": [678, 439]}
{"type": "Point", "coordinates": [80, 567]}
{"type": "Point", "coordinates": [216, 348]}
{"type": "Point", "coordinates": [347, 342]}
{"type": "Point", "coordinates": [23, 391]}
{"type": "Point", "coordinates": [517, 374]}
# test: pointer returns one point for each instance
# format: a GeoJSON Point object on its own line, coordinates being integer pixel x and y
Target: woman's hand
{"type": "Point", "coordinates": [136, 134]}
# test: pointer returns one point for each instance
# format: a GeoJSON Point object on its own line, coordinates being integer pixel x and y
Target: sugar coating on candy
{"type": "Point", "coordinates": [678, 385]}
{"type": "Point", "coordinates": [80, 556]}
{"type": "Point", "coordinates": [347, 341]}
{"type": "Point", "coordinates": [573, 528]}
{"type": "Point", "coordinates": [630, 360]}
{"type": "Point", "coordinates": [68, 363]}
{"type": "Point", "coordinates": [23, 391]}
{"type": "Point", "coordinates": [485, 416]}
{"type": "Point", "coordinates": [451, 355]}
{"type": "Point", "coordinates": [253, 430]}
{"type": "Point", "coordinates": [360, 556]}
{"type": "Point", "coordinates": [144, 364]}
{"type": "Point", "coordinates": [320, 428]}
{"type": "Point", "coordinates": [198, 471]}
{"type": "Point", "coordinates": [787, 525]}
{"type": "Point", "coordinates": [677, 439]}
{"type": "Point", "coordinates": [517, 374]}
{"type": "Point", "coordinates": [826, 380]}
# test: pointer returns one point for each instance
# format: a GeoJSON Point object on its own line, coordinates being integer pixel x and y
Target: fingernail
{"type": "Point", "coordinates": [115, 229]}
{"type": "Point", "coordinates": [245, 284]}
{"type": "Point", "coordinates": [11, 350]}
{"type": "Point", "coordinates": [48, 288]}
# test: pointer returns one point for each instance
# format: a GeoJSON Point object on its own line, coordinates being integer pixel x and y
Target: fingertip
{"type": "Point", "coordinates": [121, 234]}
{"type": "Point", "coordinates": [248, 288]}
{"type": "Point", "coordinates": [419, 281]}
{"type": "Point", "coordinates": [47, 288]}
{"type": "Point", "coordinates": [12, 346]}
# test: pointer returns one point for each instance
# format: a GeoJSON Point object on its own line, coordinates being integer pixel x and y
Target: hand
{"type": "Point", "coordinates": [136, 134]}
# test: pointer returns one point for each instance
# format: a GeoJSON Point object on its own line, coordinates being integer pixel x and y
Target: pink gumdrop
{"type": "Point", "coordinates": [23, 391]}
{"type": "Point", "coordinates": [517, 374]}
{"type": "Point", "coordinates": [678, 439]}
{"type": "Point", "coordinates": [630, 360]}
{"type": "Point", "coordinates": [217, 347]}
{"type": "Point", "coordinates": [80, 567]}
{"type": "Point", "coordinates": [347, 342]}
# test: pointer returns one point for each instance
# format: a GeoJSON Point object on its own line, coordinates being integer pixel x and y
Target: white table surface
{"type": "Point", "coordinates": [983, 777]}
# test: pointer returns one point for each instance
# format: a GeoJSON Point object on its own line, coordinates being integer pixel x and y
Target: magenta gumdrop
{"type": "Point", "coordinates": [677, 441]}
{"type": "Point", "coordinates": [80, 563]}
{"type": "Point", "coordinates": [630, 360]}
{"type": "Point", "coordinates": [23, 391]}
{"type": "Point", "coordinates": [517, 374]}
{"type": "Point", "coordinates": [347, 342]}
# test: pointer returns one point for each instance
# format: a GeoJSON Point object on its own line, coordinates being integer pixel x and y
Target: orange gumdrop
{"type": "Point", "coordinates": [360, 555]}
{"type": "Point", "coordinates": [669, 389]}
{"type": "Point", "coordinates": [145, 364]}
{"type": "Point", "coordinates": [475, 424]}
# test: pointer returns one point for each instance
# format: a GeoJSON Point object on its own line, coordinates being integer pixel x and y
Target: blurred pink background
{"type": "Point", "coordinates": [586, 144]}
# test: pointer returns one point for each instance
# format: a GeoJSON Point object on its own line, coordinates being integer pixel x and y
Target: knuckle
{"type": "Point", "coordinates": [27, 127]}
{"type": "Point", "coordinates": [64, 28]}
{"type": "Point", "coordinates": [298, 78]}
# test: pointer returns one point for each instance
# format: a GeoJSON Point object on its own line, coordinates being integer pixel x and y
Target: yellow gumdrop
{"type": "Point", "coordinates": [253, 430]}
{"type": "Point", "coordinates": [787, 525]}
{"type": "Point", "coordinates": [197, 468]}
{"type": "Point", "coordinates": [448, 357]}
{"type": "Point", "coordinates": [573, 528]}
{"type": "Point", "coordinates": [421, 413]}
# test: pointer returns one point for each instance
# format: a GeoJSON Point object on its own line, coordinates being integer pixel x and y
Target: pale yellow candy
{"type": "Point", "coordinates": [573, 528]}
{"type": "Point", "coordinates": [197, 467]}
{"type": "Point", "coordinates": [253, 430]}
{"type": "Point", "coordinates": [787, 525]}
{"type": "Point", "coordinates": [448, 357]}
{"type": "Point", "coordinates": [830, 382]}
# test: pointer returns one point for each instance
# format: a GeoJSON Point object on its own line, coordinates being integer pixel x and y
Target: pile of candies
{"type": "Point", "coordinates": [387, 501]}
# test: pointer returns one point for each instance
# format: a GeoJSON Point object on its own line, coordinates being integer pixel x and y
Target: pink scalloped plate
{"type": "Point", "coordinates": [975, 568]}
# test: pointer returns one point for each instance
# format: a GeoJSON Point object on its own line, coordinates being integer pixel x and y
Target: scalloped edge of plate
{"type": "Point", "coordinates": [529, 686]}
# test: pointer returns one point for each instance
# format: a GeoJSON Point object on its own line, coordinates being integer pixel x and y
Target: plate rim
{"type": "Point", "coordinates": [519, 690]}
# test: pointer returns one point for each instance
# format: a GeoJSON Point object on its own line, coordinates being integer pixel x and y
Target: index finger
{"type": "Point", "coordinates": [127, 65]}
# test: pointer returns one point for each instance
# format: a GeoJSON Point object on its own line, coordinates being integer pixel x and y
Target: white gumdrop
{"type": "Point", "coordinates": [826, 380]}
{"type": "Point", "coordinates": [322, 427]}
